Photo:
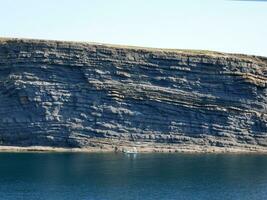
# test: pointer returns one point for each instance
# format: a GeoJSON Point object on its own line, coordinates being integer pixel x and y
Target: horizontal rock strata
{"type": "Point", "coordinates": [65, 94]}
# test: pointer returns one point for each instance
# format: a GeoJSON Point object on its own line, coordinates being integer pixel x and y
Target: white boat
{"type": "Point", "coordinates": [130, 151]}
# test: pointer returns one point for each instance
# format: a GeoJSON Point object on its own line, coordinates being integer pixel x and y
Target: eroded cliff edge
{"type": "Point", "coordinates": [65, 94]}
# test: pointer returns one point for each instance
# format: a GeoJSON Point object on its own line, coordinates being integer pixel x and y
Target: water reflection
{"type": "Point", "coordinates": [131, 156]}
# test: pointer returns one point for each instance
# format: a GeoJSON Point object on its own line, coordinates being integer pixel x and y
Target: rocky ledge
{"type": "Point", "coordinates": [80, 95]}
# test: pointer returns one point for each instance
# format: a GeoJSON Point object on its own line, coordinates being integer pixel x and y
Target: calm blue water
{"type": "Point", "coordinates": [146, 176]}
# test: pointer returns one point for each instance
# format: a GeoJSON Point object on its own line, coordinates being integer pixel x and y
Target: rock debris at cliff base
{"type": "Point", "coordinates": [67, 94]}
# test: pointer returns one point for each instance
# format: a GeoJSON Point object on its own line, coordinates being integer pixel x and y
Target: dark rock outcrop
{"type": "Point", "coordinates": [79, 95]}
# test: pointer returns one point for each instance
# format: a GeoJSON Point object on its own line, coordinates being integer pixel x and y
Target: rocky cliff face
{"type": "Point", "coordinates": [85, 95]}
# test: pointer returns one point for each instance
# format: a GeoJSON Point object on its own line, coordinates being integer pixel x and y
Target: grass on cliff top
{"type": "Point", "coordinates": [186, 51]}
{"type": "Point", "coordinates": [152, 49]}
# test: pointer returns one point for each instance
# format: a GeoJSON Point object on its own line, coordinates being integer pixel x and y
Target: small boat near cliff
{"type": "Point", "coordinates": [130, 150]}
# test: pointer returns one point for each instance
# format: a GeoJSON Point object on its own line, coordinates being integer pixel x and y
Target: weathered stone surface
{"type": "Point", "coordinates": [72, 94]}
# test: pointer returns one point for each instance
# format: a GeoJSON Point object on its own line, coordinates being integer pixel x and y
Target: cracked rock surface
{"type": "Point", "coordinates": [66, 94]}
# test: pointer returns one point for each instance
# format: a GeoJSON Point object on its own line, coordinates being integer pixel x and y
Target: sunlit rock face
{"type": "Point", "coordinates": [77, 95]}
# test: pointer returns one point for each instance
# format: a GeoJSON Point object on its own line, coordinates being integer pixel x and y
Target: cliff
{"type": "Point", "coordinates": [66, 94]}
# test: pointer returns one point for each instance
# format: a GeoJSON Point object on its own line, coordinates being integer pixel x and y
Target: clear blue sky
{"type": "Point", "coordinates": [229, 26]}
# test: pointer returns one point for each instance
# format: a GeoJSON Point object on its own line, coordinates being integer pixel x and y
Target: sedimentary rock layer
{"type": "Point", "coordinates": [67, 94]}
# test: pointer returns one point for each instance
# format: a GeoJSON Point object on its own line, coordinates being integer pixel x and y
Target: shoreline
{"type": "Point", "coordinates": [156, 149]}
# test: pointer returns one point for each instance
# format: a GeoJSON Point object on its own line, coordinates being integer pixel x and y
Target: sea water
{"type": "Point", "coordinates": [142, 176]}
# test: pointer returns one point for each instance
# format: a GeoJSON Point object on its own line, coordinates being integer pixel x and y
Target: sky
{"type": "Point", "coordinates": [219, 25]}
